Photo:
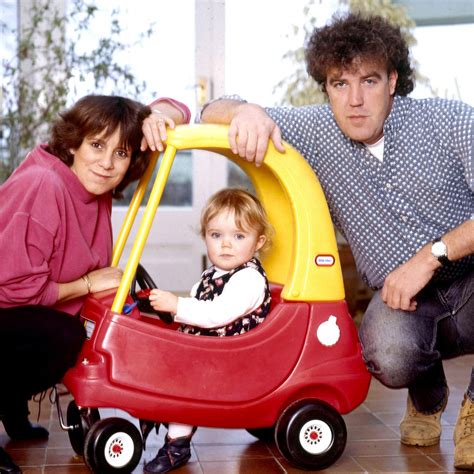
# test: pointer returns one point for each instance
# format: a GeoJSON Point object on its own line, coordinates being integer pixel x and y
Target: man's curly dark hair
{"type": "Point", "coordinates": [354, 37]}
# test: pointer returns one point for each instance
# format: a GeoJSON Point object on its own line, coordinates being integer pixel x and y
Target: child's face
{"type": "Point", "coordinates": [227, 245]}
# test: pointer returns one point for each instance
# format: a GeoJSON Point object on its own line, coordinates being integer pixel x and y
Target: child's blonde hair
{"type": "Point", "coordinates": [247, 209]}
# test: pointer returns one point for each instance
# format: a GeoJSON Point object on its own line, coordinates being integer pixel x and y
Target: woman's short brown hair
{"type": "Point", "coordinates": [248, 211]}
{"type": "Point", "coordinates": [94, 114]}
{"type": "Point", "coordinates": [352, 38]}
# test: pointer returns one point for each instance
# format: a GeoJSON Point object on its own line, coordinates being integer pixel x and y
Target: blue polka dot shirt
{"type": "Point", "coordinates": [387, 210]}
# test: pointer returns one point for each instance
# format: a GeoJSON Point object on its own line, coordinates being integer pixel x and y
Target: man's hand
{"type": "Point", "coordinates": [405, 282]}
{"type": "Point", "coordinates": [249, 132]}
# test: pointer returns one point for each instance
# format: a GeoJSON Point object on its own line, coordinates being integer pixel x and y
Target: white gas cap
{"type": "Point", "coordinates": [328, 333]}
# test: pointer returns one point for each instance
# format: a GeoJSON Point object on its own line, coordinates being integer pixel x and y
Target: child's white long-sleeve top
{"type": "Point", "coordinates": [242, 294]}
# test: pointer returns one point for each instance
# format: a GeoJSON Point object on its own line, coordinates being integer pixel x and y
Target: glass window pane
{"type": "Point", "coordinates": [179, 187]}
{"type": "Point", "coordinates": [236, 178]}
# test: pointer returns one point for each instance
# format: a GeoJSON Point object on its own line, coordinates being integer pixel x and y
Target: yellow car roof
{"type": "Point", "coordinates": [303, 257]}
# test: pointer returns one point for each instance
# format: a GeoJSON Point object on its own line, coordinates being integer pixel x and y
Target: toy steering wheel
{"type": "Point", "coordinates": [146, 284]}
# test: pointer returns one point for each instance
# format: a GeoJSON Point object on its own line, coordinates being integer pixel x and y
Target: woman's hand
{"type": "Point", "coordinates": [163, 301]}
{"type": "Point", "coordinates": [154, 130]}
{"type": "Point", "coordinates": [97, 280]}
{"type": "Point", "coordinates": [104, 279]}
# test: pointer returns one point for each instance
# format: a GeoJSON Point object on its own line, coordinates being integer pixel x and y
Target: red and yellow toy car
{"type": "Point", "coordinates": [289, 379]}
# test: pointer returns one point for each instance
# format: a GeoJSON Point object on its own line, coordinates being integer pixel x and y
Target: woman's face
{"type": "Point", "coordinates": [101, 163]}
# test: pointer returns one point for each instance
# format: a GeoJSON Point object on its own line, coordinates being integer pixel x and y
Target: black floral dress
{"type": "Point", "coordinates": [209, 288]}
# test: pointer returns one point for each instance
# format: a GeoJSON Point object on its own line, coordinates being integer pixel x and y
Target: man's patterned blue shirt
{"type": "Point", "coordinates": [388, 210]}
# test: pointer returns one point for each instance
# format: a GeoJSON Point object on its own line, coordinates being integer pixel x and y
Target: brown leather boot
{"type": "Point", "coordinates": [464, 436]}
{"type": "Point", "coordinates": [418, 429]}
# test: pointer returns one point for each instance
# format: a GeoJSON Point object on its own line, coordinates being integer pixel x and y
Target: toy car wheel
{"type": "Point", "coordinates": [113, 445]}
{"type": "Point", "coordinates": [311, 434]}
{"type": "Point", "coordinates": [81, 420]}
{"type": "Point", "coordinates": [266, 435]}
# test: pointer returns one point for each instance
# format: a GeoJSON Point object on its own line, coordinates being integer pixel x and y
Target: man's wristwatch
{"type": "Point", "coordinates": [439, 251]}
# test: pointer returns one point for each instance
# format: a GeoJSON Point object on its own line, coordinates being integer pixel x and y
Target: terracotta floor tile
{"type": "Point", "coordinates": [62, 469]}
{"type": "Point", "coordinates": [251, 466]}
{"type": "Point", "coordinates": [398, 464]}
{"type": "Point", "coordinates": [445, 447]}
{"type": "Point", "coordinates": [59, 440]}
{"type": "Point", "coordinates": [389, 418]}
{"type": "Point", "coordinates": [255, 450]}
{"type": "Point", "coordinates": [28, 456]}
{"type": "Point", "coordinates": [381, 404]}
{"type": "Point", "coordinates": [62, 456]}
{"type": "Point", "coordinates": [445, 462]}
{"type": "Point", "coordinates": [38, 444]}
{"type": "Point", "coordinates": [379, 448]}
{"type": "Point", "coordinates": [222, 436]}
{"type": "Point", "coordinates": [33, 470]}
{"type": "Point", "coordinates": [371, 432]}
{"type": "Point", "coordinates": [344, 464]}
{"type": "Point", "coordinates": [361, 418]}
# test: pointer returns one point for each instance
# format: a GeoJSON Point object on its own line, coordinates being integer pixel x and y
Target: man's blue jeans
{"type": "Point", "coordinates": [405, 349]}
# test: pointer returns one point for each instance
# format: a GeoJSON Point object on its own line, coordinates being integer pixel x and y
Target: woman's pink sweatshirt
{"type": "Point", "coordinates": [51, 231]}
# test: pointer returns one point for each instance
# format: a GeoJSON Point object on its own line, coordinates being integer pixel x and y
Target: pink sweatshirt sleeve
{"type": "Point", "coordinates": [179, 105]}
{"type": "Point", "coordinates": [25, 248]}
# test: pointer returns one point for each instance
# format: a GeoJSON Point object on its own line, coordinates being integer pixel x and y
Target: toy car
{"type": "Point", "coordinates": [289, 379]}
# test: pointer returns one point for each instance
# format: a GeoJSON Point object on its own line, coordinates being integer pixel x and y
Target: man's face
{"type": "Point", "coordinates": [361, 98]}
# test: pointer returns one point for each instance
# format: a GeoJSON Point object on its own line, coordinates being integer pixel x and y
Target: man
{"type": "Point", "coordinates": [398, 175]}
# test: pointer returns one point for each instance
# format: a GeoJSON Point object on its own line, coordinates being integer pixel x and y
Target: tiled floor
{"type": "Point", "coordinates": [373, 441]}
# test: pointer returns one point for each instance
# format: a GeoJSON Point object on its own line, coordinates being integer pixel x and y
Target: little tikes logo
{"type": "Point", "coordinates": [324, 260]}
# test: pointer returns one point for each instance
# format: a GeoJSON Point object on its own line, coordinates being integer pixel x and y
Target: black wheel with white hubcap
{"type": "Point", "coordinates": [311, 434]}
{"type": "Point", "coordinates": [80, 421]}
{"type": "Point", "coordinates": [113, 445]}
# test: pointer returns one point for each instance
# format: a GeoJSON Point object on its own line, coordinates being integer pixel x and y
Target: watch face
{"type": "Point", "coordinates": [438, 249]}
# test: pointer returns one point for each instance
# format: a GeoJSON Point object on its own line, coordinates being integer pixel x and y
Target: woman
{"type": "Point", "coordinates": [56, 241]}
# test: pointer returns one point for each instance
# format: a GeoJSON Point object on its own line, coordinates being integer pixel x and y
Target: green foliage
{"type": "Point", "coordinates": [55, 53]}
{"type": "Point", "coordinates": [299, 88]}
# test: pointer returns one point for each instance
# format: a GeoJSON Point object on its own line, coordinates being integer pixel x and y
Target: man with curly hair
{"type": "Point", "coordinates": [398, 175]}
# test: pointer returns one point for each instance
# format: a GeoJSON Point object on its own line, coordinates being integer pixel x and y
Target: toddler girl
{"type": "Point", "coordinates": [231, 297]}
